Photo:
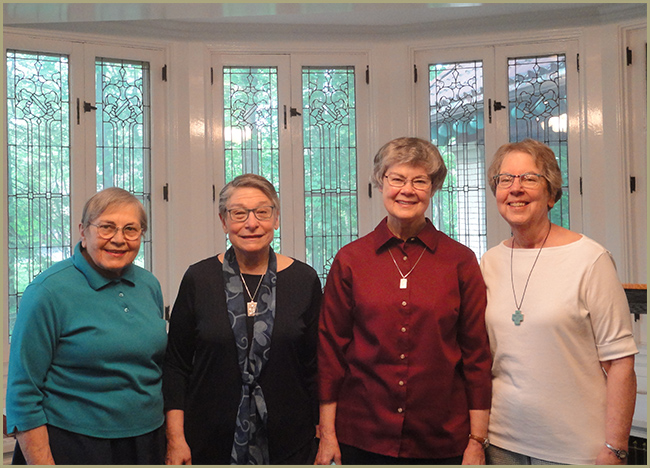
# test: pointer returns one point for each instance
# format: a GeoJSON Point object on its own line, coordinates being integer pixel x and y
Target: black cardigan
{"type": "Point", "coordinates": [202, 378]}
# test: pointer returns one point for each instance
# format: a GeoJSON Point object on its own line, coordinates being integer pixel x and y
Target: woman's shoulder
{"type": "Point", "coordinates": [295, 267]}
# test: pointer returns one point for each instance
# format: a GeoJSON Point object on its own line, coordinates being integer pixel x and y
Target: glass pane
{"type": "Point", "coordinates": [38, 172]}
{"type": "Point", "coordinates": [124, 134]}
{"type": "Point", "coordinates": [538, 110]}
{"type": "Point", "coordinates": [330, 162]}
{"type": "Point", "coordinates": [456, 121]}
{"type": "Point", "coordinates": [250, 128]}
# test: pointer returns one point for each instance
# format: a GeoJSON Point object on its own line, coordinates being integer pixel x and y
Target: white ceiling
{"type": "Point", "coordinates": [195, 19]}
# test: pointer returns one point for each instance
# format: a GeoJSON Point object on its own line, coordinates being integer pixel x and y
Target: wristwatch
{"type": "Point", "coordinates": [620, 454]}
{"type": "Point", "coordinates": [484, 441]}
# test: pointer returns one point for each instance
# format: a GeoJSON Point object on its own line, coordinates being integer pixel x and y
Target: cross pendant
{"type": "Point", "coordinates": [518, 317]}
{"type": "Point", "coordinates": [251, 308]}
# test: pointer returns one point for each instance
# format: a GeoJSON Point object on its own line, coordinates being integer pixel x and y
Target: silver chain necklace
{"type": "Point", "coordinates": [251, 306]}
{"type": "Point", "coordinates": [403, 282]}
{"type": "Point", "coordinates": [518, 316]}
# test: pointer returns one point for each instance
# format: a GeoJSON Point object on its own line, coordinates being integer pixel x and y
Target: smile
{"type": "Point", "coordinates": [517, 204]}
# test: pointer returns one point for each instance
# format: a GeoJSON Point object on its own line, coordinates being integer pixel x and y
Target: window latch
{"type": "Point", "coordinates": [293, 112]}
{"type": "Point", "coordinates": [89, 107]}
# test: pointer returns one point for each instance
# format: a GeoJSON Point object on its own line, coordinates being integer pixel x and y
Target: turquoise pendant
{"type": "Point", "coordinates": [518, 317]}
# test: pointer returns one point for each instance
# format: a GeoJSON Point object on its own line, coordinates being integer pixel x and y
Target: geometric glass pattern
{"type": "Point", "coordinates": [251, 126]}
{"type": "Point", "coordinates": [38, 168]}
{"type": "Point", "coordinates": [330, 163]}
{"type": "Point", "coordinates": [538, 110]}
{"type": "Point", "coordinates": [123, 134]}
{"type": "Point", "coordinates": [457, 129]}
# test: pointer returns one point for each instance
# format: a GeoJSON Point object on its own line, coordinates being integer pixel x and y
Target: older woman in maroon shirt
{"type": "Point", "coordinates": [404, 361]}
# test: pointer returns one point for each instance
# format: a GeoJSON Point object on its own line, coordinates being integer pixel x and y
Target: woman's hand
{"type": "Point", "coordinates": [178, 451]}
{"type": "Point", "coordinates": [474, 454]}
{"type": "Point", "coordinates": [328, 447]}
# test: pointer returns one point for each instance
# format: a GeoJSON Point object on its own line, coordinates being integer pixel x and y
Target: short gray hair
{"type": "Point", "coordinates": [251, 181]}
{"type": "Point", "coordinates": [109, 198]}
{"type": "Point", "coordinates": [414, 151]}
{"type": "Point", "coordinates": [543, 157]}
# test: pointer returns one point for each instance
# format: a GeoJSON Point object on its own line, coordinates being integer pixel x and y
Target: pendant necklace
{"type": "Point", "coordinates": [251, 307]}
{"type": "Point", "coordinates": [518, 317]}
{"type": "Point", "coordinates": [403, 282]}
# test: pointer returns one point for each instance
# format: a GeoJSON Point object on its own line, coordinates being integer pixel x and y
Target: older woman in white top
{"type": "Point", "coordinates": [559, 326]}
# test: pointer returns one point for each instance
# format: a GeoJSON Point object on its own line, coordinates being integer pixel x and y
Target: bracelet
{"type": "Point", "coordinates": [484, 441]}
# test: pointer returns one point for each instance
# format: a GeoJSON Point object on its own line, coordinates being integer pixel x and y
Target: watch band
{"type": "Point", "coordinates": [484, 441]}
{"type": "Point", "coordinates": [620, 454]}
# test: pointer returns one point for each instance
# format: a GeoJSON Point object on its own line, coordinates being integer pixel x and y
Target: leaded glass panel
{"type": "Point", "coordinates": [38, 172]}
{"type": "Point", "coordinates": [330, 163]}
{"type": "Point", "coordinates": [251, 133]}
{"type": "Point", "coordinates": [124, 135]}
{"type": "Point", "coordinates": [456, 123]}
{"type": "Point", "coordinates": [538, 110]}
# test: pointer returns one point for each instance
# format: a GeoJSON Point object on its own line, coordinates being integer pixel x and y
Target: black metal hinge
{"type": "Point", "coordinates": [369, 190]}
{"type": "Point", "coordinates": [367, 74]}
{"type": "Point", "coordinates": [211, 75]}
{"type": "Point", "coordinates": [628, 56]}
{"type": "Point", "coordinates": [415, 73]}
{"type": "Point", "coordinates": [166, 192]}
{"type": "Point", "coordinates": [632, 184]}
{"type": "Point", "coordinates": [214, 193]}
{"type": "Point", "coordinates": [164, 72]}
{"type": "Point", "coordinates": [580, 185]}
{"type": "Point", "coordinates": [578, 62]}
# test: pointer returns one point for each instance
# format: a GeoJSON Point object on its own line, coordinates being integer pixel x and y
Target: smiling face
{"type": "Point", "coordinates": [405, 205]}
{"type": "Point", "coordinates": [111, 256]}
{"type": "Point", "coordinates": [523, 207]}
{"type": "Point", "coordinates": [251, 236]}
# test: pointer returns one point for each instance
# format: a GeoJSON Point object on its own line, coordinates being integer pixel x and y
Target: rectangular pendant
{"type": "Point", "coordinates": [402, 283]}
{"type": "Point", "coordinates": [251, 308]}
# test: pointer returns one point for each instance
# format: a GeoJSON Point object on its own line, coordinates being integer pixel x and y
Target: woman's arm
{"type": "Point", "coordinates": [178, 452]}
{"type": "Point", "coordinates": [621, 397]}
{"type": "Point", "coordinates": [328, 448]}
{"type": "Point", "coordinates": [478, 422]}
{"type": "Point", "coordinates": [35, 445]}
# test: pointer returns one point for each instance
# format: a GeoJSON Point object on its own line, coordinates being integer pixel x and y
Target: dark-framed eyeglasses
{"type": "Point", "coordinates": [419, 183]}
{"type": "Point", "coordinates": [526, 180]}
{"type": "Point", "coordinates": [108, 231]}
{"type": "Point", "coordinates": [262, 213]}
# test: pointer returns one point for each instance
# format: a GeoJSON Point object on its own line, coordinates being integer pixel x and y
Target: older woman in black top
{"type": "Point", "coordinates": [239, 375]}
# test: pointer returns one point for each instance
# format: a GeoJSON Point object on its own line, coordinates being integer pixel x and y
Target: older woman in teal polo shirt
{"type": "Point", "coordinates": [84, 382]}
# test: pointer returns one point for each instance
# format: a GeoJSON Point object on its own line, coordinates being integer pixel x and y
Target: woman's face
{"type": "Point", "coordinates": [111, 256]}
{"type": "Point", "coordinates": [252, 235]}
{"type": "Point", "coordinates": [519, 206]}
{"type": "Point", "coordinates": [405, 205]}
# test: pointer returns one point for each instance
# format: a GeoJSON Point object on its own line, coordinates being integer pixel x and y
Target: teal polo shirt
{"type": "Point", "coordinates": [86, 352]}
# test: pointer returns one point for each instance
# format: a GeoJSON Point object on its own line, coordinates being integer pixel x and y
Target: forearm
{"type": "Point", "coordinates": [478, 422]}
{"type": "Point", "coordinates": [175, 425]}
{"type": "Point", "coordinates": [35, 445]}
{"type": "Point", "coordinates": [621, 398]}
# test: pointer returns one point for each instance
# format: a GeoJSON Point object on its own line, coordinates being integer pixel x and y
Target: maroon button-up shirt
{"type": "Point", "coordinates": [405, 366]}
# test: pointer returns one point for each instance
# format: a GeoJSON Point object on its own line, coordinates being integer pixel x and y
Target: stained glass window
{"type": "Point", "coordinates": [538, 110]}
{"type": "Point", "coordinates": [124, 134]}
{"type": "Point", "coordinates": [38, 172]}
{"type": "Point", "coordinates": [251, 133]}
{"type": "Point", "coordinates": [456, 123]}
{"type": "Point", "coordinates": [330, 162]}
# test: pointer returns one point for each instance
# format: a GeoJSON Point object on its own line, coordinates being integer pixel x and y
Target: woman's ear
{"type": "Point", "coordinates": [223, 224]}
{"type": "Point", "coordinates": [82, 234]}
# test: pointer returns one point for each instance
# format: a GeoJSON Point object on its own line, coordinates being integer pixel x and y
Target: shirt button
{"type": "Point", "coordinates": [401, 383]}
{"type": "Point", "coordinates": [121, 294]}
{"type": "Point", "coordinates": [403, 329]}
{"type": "Point", "coordinates": [402, 356]}
{"type": "Point", "coordinates": [126, 309]}
{"type": "Point", "coordinates": [404, 303]}
{"type": "Point", "coordinates": [400, 410]}
{"type": "Point", "coordinates": [405, 258]}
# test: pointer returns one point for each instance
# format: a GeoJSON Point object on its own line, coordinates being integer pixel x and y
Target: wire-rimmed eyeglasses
{"type": "Point", "coordinates": [262, 213]}
{"type": "Point", "coordinates": [419, 183]}
{"type": "Point", "coordinates": [526, 180]}
{"type": "Point", "coordinates": [108, 231]}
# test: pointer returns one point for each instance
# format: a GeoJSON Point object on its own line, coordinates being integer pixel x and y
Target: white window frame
{"type": "Point", "coordinates": [83, 176]}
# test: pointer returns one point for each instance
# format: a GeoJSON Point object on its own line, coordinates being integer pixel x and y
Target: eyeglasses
{"type": "Point", "coordinates": [108, 231]}
{"type": "Point", "coordinates": [418, 183]}
{"type": "Point", "coordinates": [262, 213]}
{"type": "Point", "coordinates": [526, 180]}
